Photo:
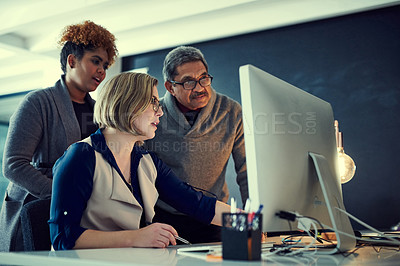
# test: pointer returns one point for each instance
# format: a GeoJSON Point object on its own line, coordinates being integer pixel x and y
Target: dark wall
{"type": "Point", "coordinates": [351, 61]}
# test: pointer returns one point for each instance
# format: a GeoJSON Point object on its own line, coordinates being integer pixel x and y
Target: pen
{"type": "Point", "coordinates": [176, 237]}
{"type": "Point", "coordinates": [250, 218]}
{"type": "Point", "coordinates": [233, 205]}
{"type": "Point", "coordinates": [247, 206]}
{"type": "Point", "coordinates": [182, 240]}
{"type": "Point", "coordinates": [260, 209]}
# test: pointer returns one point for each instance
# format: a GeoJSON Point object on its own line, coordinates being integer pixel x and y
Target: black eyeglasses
{"type": "Point", "coordinates": [204, 81]}
{"type": "Point", "coordinates": [156, 104]}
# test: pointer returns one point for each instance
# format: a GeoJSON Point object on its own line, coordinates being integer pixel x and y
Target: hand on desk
{"type": "Point", "coordinates": [156, 235]}
{"type": "Point", "coordinates": [263, 237]}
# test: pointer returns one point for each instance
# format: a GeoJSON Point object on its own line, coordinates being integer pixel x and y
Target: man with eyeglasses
{"type": "Point", "coordinates": [199, 131]}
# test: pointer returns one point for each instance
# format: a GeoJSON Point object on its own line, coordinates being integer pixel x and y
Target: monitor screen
{"type": "Point", "coordinates": [291, 152]}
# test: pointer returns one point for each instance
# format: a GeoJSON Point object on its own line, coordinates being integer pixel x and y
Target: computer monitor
{"type": "Point", "coordinates": [291, 154]}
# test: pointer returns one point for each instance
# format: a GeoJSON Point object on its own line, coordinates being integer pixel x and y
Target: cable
{"type": "Point", "coordinates": [369, 227]}
{"type": "Point", "coordinates": [290, 216]}
{"type": "Point", "coordinates": [393, 240]}
{"type": "Point", "coordinates": [288, 250]}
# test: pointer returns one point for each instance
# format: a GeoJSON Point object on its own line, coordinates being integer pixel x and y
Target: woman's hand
{"type": "Point", "coordinates": [263, 237]}
{"type": "Point", "coordinates": [156, 235]}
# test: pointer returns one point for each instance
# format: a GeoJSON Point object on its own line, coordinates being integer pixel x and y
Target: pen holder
{"type": "Point", "coordinates": [241, 236]}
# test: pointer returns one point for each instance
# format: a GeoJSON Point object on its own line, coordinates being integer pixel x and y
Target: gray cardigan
{"type": "Point", "coordinates": [40, 130]}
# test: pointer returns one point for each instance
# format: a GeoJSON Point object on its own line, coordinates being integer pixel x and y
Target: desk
{"type": "Point", "coordinates": [169, 256]}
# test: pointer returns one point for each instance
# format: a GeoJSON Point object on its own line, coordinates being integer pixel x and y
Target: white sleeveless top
{"type": "Point", "coordinates": [112, 206]}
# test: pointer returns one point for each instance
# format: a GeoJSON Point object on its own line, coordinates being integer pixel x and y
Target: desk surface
{"type": "Point", "coordinates": [169, 256]}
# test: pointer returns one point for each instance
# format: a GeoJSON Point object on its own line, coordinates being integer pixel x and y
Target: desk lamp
{"type": "Point", "coordinates": [347, 167]}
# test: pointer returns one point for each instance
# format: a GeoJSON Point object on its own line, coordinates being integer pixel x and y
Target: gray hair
{"type": "Point", "coordinates": [180, 56]}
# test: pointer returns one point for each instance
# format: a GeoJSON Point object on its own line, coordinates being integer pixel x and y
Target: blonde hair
{"type": "Point", "coordinates": [122, 99]}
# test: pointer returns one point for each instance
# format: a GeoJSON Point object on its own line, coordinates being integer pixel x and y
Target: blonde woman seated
{"type": "Point", "coordinates": [105, 186]}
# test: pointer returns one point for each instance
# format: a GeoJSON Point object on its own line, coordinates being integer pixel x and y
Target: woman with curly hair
{"type": "Point", "coordinates": [49, 120]}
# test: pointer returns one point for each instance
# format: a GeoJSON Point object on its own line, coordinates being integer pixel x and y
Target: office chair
{"type": "Point", "coordinates": [35, 230]}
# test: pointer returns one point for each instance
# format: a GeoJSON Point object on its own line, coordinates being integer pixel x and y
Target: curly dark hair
{"type": "Point", "coordinates": [78, 38]}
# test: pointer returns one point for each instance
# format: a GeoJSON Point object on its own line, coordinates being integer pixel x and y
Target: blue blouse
{"type": "Point", "coordinates": [73, 184]}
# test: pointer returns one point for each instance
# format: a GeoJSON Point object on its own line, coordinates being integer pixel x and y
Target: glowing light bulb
{"type": "Point", "coordinates": [347, 167]}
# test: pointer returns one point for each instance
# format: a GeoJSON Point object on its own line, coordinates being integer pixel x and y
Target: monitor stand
{"type": "Point", "coordinates": [333, 200]}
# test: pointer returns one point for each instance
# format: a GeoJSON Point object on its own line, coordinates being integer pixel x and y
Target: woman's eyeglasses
{"type": "Point", "coordinates": [156, 104]}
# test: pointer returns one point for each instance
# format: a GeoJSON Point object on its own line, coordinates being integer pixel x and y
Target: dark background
{"type": "Point", "coordinates": [351, 61]}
